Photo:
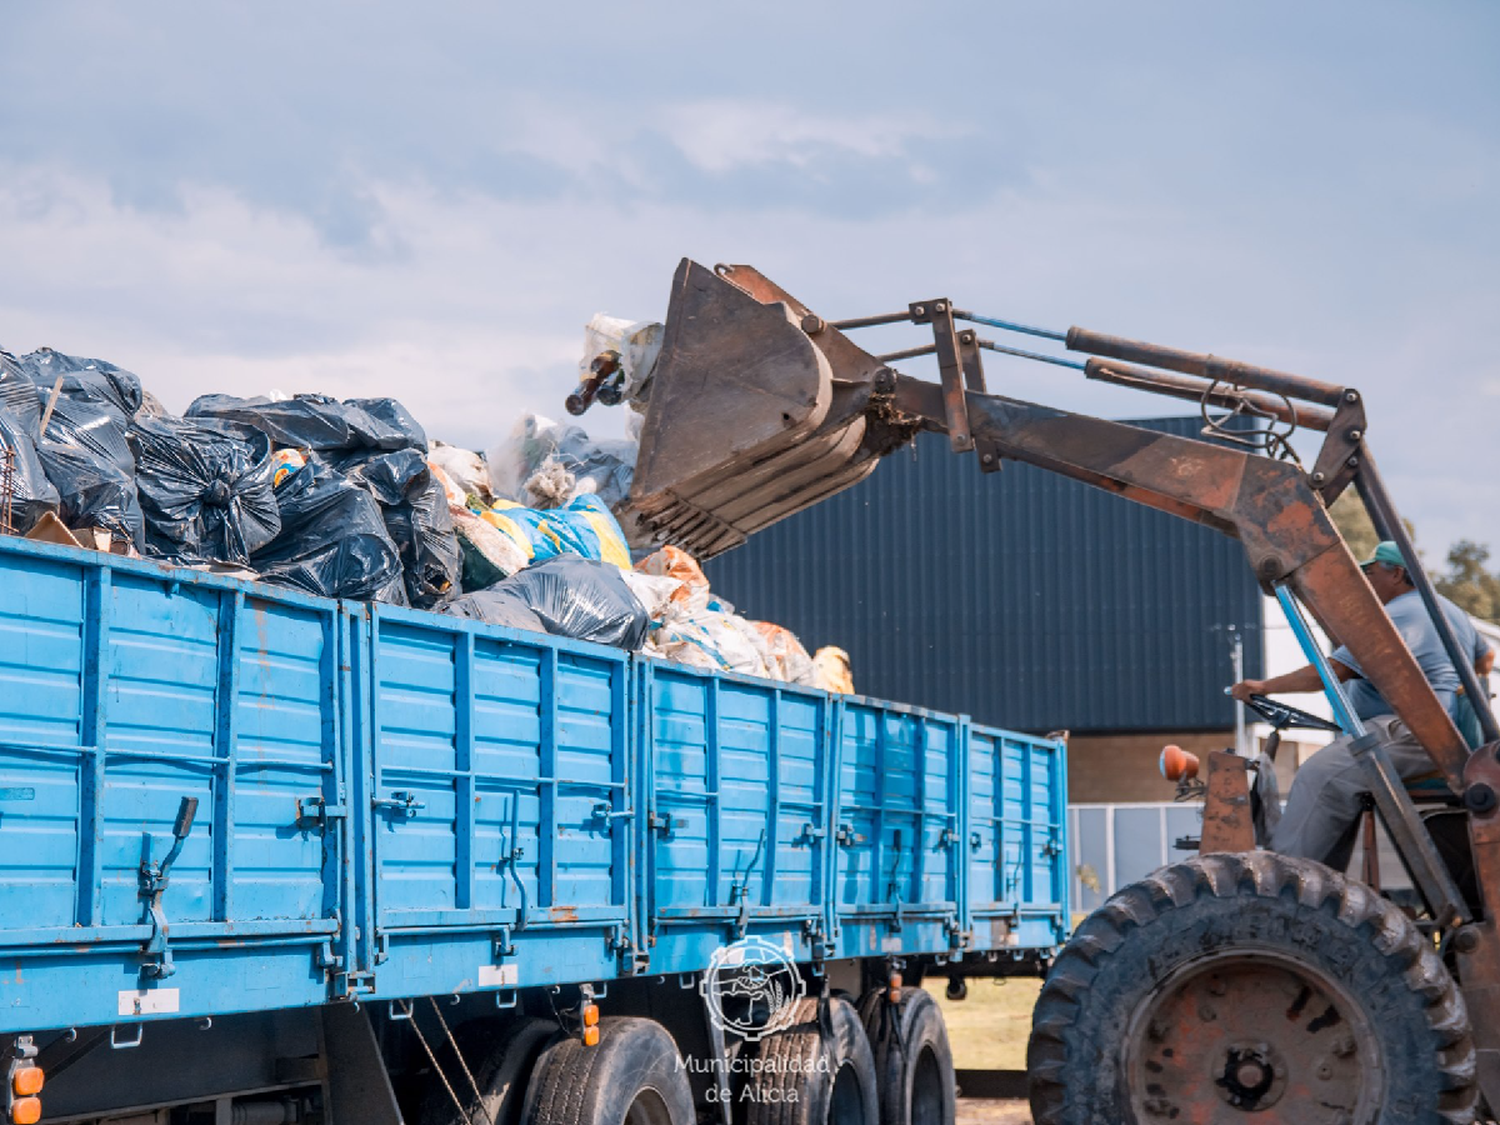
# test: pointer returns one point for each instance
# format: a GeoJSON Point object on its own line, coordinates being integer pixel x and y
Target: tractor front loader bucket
{"type": "Point", "coordinates": [756, 409]}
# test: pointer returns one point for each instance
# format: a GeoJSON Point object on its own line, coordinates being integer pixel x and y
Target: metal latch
{"type": "Point", "coordinates": [315, 812]}
{"type": "Point", "coordinates": [154, 878]}
{"type": "Point", "coordinates": [402, 803]}
{"type": "Point", "coordinates": [665, 824]}
{"type": "Point", "coordinates": [604, 811]}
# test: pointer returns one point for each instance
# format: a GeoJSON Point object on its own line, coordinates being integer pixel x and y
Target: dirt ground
{"type": "Point", "coordinates": [989, 1111]}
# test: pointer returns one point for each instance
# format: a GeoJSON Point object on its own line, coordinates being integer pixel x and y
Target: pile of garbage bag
{"type": "Point", "coordinates": [348, 499]}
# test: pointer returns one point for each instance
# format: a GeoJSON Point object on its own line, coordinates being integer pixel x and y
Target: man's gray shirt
{"type": "Point", "coordinates": [1410, 618]}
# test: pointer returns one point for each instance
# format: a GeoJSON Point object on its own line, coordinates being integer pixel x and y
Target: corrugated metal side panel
{"type": "Point", "coordinates": [501, 740]}
{"type": "Point", "coordinates": [122, 691]}
{"type": "Point", "coordinates": [739, 775]}
{"type": "Point", "coordinates": [1017, 801]}
{"type": "Point", "coordinates": [41, 705]}
{"type": "Point", "coordinates": [1022, 598]}
{"type": "Point", "coordinates": [899, 810]}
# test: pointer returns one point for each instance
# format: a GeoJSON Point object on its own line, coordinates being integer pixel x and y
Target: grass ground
{"type": "Point", "coordinates": [988, 1030]}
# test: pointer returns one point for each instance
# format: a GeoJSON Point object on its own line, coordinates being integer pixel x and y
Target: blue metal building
{"type": "Point", "coordinates": [1021, 598]}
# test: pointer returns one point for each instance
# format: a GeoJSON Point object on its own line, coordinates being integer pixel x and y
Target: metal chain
{"type": "Point", "coordinates": [488, 1116]}
{"type": "Point", "coordinates": [436, 1069]}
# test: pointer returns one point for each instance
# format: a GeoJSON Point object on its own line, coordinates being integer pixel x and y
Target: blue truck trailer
{"type": "Point", "coordinates": [274, 858]}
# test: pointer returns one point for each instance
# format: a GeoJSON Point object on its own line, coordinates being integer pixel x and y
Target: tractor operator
{"type": "Point", "coordinates": [1322, 810]}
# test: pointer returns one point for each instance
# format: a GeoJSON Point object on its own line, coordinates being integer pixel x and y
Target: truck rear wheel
{"type": "Point", "coordinates": [632, 1076]}
{"type": "Point", "coordinates": [913, 1063]}
{"type": "Point", "coordinates": [799, 1076]}
{"type": "Point", "coordinates": [1234, 986]}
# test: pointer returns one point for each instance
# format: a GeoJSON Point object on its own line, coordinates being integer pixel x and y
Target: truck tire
{"type": "Point", "coordinates": [913, 1070]}
{"type": "Point", "coordinates": [632, 1076]}
{"type": "Point", "coordinates": [1249, 986]}
{"type": "Point", "coordinates": [802, 1077]}
{"type": "Point", "coordinates": [501, 1063]}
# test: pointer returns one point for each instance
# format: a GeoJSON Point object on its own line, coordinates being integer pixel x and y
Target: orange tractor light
{"type": "Point", "coordinates": [1177, 764]}
{"type": "Point", "coordinates": [26, 1111]}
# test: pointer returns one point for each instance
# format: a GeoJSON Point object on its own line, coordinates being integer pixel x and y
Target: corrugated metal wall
{"type": "Point", "coordinates": [1021, 598]}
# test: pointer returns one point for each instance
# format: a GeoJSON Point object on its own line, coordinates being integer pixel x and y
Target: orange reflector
{"type": "Point", "coordinates": [26, 1111]}
{"type": "Point", "coordinates": [27, 1081]}
{"type": "Point", "coordinates": [591, 1037]}
{"type": "Point", "coordinates": [1177, 764]}
{"type": "Point", "coordinates": [590, 1015]}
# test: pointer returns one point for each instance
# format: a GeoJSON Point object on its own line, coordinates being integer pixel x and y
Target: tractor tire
{"type": "Point", "coordinates": [632, 1076]}
{"type": "Point", "coordinates": [800, 1076]}
{"type": "Point", "coordinates": [913, 1062]}
{"type": "Point", "coordinates": [1249, 986]}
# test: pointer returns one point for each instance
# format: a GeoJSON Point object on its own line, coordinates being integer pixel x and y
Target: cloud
{"type": "Point", "coordinates": [371, 199]}
{"type": "Point", "coordinates": [725, 134]}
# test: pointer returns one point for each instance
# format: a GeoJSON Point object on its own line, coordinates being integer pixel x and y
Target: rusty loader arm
{"type": "Point", "coordinates": [759, 407]}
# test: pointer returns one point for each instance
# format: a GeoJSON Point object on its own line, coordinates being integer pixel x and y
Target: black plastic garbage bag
{"type": "Point", "coordinates": [31, 493]}
{"type": "Point", "coordinates": [18, 394]}
{"type": "Point", "coordinates": [423, 532]}
{"type": "Point", "coordinates": [416, 516]}
{"type": "Point", "coordinates": [93, 406]}
{"type": "Point", "coordinates": [495, 606]}
{"type": "Point", "coordinates": [315, 422]}
{"type": "Point", "coordinates": [206, 497]}
{"type": "Point", "coordinates": [84, 450]}
{"type": "Point", "coordinates": [394, 415]}
{"type": "Point", "coordinates": [90, 380]}
{"type": "Point", "coordinates": [388, 476]}
{"type": "Point", "coordinates": [581, 598]}
{"type": "Point", "coordinates": [95, 492]}
{"type": "Point", "coordinates": [333, 540]}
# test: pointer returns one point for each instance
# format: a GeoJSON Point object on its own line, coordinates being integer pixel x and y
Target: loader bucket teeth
{"type": "Point", "coordinates": [749, 419]}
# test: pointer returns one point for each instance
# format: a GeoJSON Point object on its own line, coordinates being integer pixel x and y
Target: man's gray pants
{"type": "Point", "coordinates": [1321, 819]}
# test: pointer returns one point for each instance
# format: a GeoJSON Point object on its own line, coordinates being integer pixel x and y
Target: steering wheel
{"type": "Point", "coordinates": [1284, 715]}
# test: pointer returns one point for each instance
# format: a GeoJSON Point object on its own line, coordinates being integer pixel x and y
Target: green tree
{"type": "Point", "coordinates": [1468, 584]}
{"type": "Point", "coordinates": [1353, 522]}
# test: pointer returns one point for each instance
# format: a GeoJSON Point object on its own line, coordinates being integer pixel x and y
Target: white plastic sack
{"type": "Point", "coordinates": [638, 343]}
{"type": "Point", "coordinates": [603, 467]}
{"type": "Point", "coordinates": [653, 591]}
{"type": "Point", "coordinates": [708, 638]}
{"type": "Point", "coordinates": [466, 470]}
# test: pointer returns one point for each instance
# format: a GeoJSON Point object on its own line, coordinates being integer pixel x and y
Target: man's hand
{"type": "Point", "coordinates": [1246, 688]}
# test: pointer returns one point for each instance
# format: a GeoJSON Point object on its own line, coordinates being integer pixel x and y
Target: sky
{"type": "Point", "coordinates": [430, 201]}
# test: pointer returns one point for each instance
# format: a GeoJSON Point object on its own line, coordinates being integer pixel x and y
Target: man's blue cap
{"type": "Point", "coordinates": [1385, 552]}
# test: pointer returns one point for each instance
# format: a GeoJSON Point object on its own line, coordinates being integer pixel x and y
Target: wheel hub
{"type": "Point", "coordinates": [1253, 1076]}
{"type": "Point", "coordinates": [1247, 1032]}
